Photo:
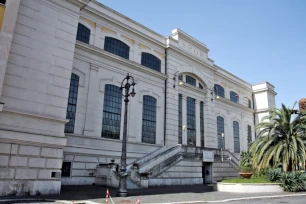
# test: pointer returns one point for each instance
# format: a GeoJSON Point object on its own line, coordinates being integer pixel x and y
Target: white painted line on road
{"type": "Point", "coordinates": [234, 199]}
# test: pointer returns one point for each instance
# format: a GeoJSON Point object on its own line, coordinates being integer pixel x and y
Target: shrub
{"type": "Point", "coordinates": [293, 181]}
{"type": "Point", "coordinates": [274, 175]}
{"type": "Point", "coordinates": [260, 173]}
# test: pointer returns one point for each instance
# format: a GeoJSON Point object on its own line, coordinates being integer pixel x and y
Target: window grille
{"type": "Point", "coordinates": [111, 112]}
{"type": "Point", "coordinates": [116, 47]}
{"type": "Point", "coordinates": [83, 33]}
{"type": "Point", "coordinates": [150, 61]}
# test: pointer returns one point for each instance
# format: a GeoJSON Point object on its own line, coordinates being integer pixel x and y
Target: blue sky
{"type": "Point", "coordinates": [262, 40]}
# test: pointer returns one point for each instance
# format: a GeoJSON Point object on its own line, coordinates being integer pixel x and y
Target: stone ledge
{"type": "Point", "coordinates": [248, 187]}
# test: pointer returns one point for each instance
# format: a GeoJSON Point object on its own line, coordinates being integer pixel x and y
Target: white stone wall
{"type": "Point", "coordinates": [35, 92]}
{"type": "Point", "coordinates": [23, 167]}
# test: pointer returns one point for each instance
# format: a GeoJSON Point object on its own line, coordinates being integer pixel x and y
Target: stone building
{"type": "Point", "coordinates": [61, 111]}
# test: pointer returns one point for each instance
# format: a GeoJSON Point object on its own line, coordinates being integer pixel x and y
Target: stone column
{"type": "Point", "coordinates": [184, 119]}
{"type": "Point", "coordinates": [198, 128]}
{"type": "Point", "coordinates": [91, 100]}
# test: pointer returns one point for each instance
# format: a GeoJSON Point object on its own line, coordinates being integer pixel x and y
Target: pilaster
{"type": "Point", "coordinates": [91, 98]}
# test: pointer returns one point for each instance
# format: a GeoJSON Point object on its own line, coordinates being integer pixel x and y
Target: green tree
{"type": "Point", "coordinates": [281, 139]}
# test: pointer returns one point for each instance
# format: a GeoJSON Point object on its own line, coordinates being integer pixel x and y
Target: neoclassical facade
{"type": "Point", "coordinates": [61, 119]}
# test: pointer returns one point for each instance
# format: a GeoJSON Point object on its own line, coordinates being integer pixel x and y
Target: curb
{"type": "Point", "coordinates": [233, 199]}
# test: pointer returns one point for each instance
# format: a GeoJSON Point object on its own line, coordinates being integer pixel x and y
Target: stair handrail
{"type": "Point", "coordinates": [232, 157]}
{"type": "Point", "coordinates": [151, 155]}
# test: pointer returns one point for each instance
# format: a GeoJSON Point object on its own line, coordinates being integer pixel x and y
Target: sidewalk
{"type": "Point", "coordinates": [164, 194]}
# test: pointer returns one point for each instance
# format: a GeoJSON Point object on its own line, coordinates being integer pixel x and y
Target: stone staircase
{"type": "Point", "coordinates": [175, 165]}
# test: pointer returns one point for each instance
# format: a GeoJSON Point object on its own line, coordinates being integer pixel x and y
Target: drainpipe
{"type": "Point", "coordinates": [254, 113]}
{"type": "Point", "coordinates": [165, 98]}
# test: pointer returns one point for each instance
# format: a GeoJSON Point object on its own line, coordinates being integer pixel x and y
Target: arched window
{"type": "Point", "coordinates": [149, 120]}
{"type": "Point", "coordinates": [72, 102]}
{"type": "Point", "coordinates": [150, 61]}
{"type": "Point", "coordinates": [219, 90]}
{"type": "Point", "coordinates": [234, 97]}
{"type": "Point", "coordinates": [190, 80]}
{"type": "Point", "coordinates": [111, 112]}
{"type": "Point", "coordinates": [249, 103]}
{"type": "Point", "coordinates": [191, 122]}
{"type": "Point", "coordinates": [180, 119]}
{"type": "Point", "coordinates": [220, 132]}
{"type": "Point", "coordinates": [236, 137]}
{"type": "Point", "coordinates": [249, 134]}
{"type": "Point", "coordinates": [202, 123]}
{"type": "Point", "coordinates": [83, 33]}
{"type": "Point", "coordinates": [116, 47]}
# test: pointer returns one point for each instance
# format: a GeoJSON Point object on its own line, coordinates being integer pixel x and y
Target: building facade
{"type": "Point", "coordinates": [62, 63]}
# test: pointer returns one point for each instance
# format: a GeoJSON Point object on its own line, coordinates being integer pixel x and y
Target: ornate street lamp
{"type": "Point", "coordinates": [122, 192]}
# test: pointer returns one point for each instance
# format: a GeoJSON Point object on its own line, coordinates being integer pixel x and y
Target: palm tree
{"type": "Point", "coordinates": [281, 140]}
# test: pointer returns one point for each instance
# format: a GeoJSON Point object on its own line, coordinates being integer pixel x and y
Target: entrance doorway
{"type": "Point", "coordinates": [207, 172]}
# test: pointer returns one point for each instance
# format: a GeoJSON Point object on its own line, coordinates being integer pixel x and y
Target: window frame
{"type": "Point", "coordinates": [234, 97]}
{"type": "Point", "coordinates": [202, 123]}
{"type": "Point", "coordinates": [112, 108]}
{"type": "Point", "coordinates": [149, 116]}
{"type": "Point", "coordinates": [66, 174]}
{"type": "Point", "coordinates": [151, 61]}
{"type": "Point", "coordinates": [191, 121]}
{"type": "Point", "coordinates": [191, 80]}
{"type": "Point", "coordinates": [180, 119]}
{"type": "Point", "coordinates": [82, 37]}
{"type": "Point", "coordinates": [220, 130]}
{"type": "Point", "coordinates": [72, 102]}
{"type": "Point", "coordinates": [236, 137]}
{"type": "Point", "coordinates": [116, 47]}
{"type": "Point", "coordinates": [219, 89]}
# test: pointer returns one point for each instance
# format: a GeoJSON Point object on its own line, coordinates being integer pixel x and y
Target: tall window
{"type": "Point", "coordinates": [250, 103]}
{"type": "Point", "coordinates": [220, 132]}
{"type": "Point", "coordinates": [236, 137]}
{"type": "Point", "coordinates": [202, 123]}
{"type": "Point", "coordinates": [180, 120]}
{"type": "Point", "coordinates": [111, 112]}
{"type": "Point", "coordinates": [150, 61]}
{"type": "Point", "coordinates": [72, 102]}
{"type": "Point", "coordinates": [190, 80]}
{"type": "Point", "coordinates": [116, 47]}
{"type": "Point", "coordinates": [149, 119]}
{"type": "Point", "coordinates": [191, 122]}
{"type": "Point", "coordinates": [234, 97]}
{"type": "Point", "coordinates": [249, 134]}
{"type": "Point", "coordinates": [219, 90]}
{"type": "Point", "coordinates": [83, 33]}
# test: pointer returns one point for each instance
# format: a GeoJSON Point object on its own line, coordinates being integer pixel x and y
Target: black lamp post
{"type": "Point", "coordinates": [122, 192]}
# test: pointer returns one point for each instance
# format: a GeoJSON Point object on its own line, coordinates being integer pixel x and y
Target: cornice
{"type": "Point", "coordinates": [264, 90]}
{"type": "Point", "coordinates": [192, 40]}
{"type": "Point", "coordinates": [35, 115]}
{"type": "Point", "coordinates": [262, 110]}
{"type": "Point", "coordinates": [100, 52]}
{"type": "Point", "coordinates": [237, 105]}
{"type": "Point", "coordinates": [115, 21]}
{"type": "Point", "coordinates": [184, 53]}
{"type": "Point", "coordinates": [231, 80]}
